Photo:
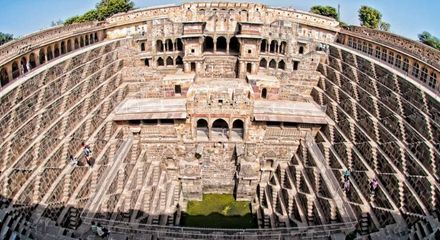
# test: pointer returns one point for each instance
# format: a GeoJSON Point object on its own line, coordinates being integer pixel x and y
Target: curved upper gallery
{"type": "Point", "coordinates": [218, 19]}
{"type": "Point", "coordinates": [29, 52]}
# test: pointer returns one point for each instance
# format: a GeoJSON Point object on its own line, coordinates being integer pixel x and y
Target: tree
{"type": "Point", "coordinates": [327, 11]}
{"type": "Point", "coordinates": [430, 40]}
{"type": "Point", "coordinates": [107, 8]}
{"type": "Point", "coordinates": [369, 17]}
{"type": "Point", "coordinates": [72, 20]}
{"type": "Point", "coordinates": [5, 37]}
{"type": "Point", "coordinates": [103, 10]}
{"type": "Point", "coordinates": [384, 26]}
{"type": "Point", "coordinates": [91, 15]}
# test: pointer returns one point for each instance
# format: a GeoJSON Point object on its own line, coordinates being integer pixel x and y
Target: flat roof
{"type": "Point", "coordinates": [186, 77]}
{"type": "Point", "coordinates": [288, 111]}
{"type": "Point", "coordinates": [152, 108]}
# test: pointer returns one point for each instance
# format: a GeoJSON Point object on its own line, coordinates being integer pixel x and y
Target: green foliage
{"type": "Point", "coordinates": [91, 15]}
{"type": "Point", "coordinates": [219, 211]}
{"type": "Point", "coordinates": [384, 26]}
{"type": "Point", "coordinates": [327, 11]}
{"type": "Point", "coordinates": [5, 37]}
{"type": "Point", "coordinates": [430, 40]}
{"type": "Point", "coordinates": [103, 10]}
{"type": "Point", "coordinates": [369, 17]}
{"type": "Point", "coordinates": [71, 20]}
{"type": "Point", "coordinates": [107, 8]}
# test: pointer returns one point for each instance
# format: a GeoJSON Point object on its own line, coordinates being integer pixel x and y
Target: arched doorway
{"type": "Point", "coordinates": [234, 45]}
{"type": "Point", "coordinates": [32, 62]}
{"type": "Point", "coordinates": [179, 60]}
{"type": "Point", "coordinates": [160, 62]}
{"type": "Point", "coordinates": [263, 63]}
{"type": "Point", "coordinates": [220, 129]}
{"type": "Point", "coordinates": [208, 44]}
{"type": "Point", "coordinates": [179, 44]}
{"type": "Point", "coordinates": [282, 65]}
{"type": "Point", "coordinates": [273, 46]}
{"type": "Point", "coordinates": [263, 46]}
{"type": "Point", "coordinates": [249, 68]}
{"type": "Point", "coordinates": [283, 47]}
{"type": "Point", "coordinates": [69, 45]}
{"type": "Point", "coordinates": [272, 64]}
{"type": "Point", "coordinates": [15, 70]}
{"type": "Point", "coordinates": [76, 43]}
{"type": "Point", "coordinates": [169, 61]}
{"type": "Point", "coordinates": [63, 47]}
{"type": "Point", "coordinates": [264, 93]}
{"type": "Point", "coordinates": [81, 42]}
{"type": "Point", "coordinates": [237, 129]}
{"type": "Point", "coordinates": [49, 53]}
{"type": "Point", "coordinates": [159, 46]}
{"type": "Point", "coordinates": [169, 45]}
{"type": "Point", "coordinates": [221, 44]}
{"type": "Point", "coordinates": [23, 63]}
{"type": "Point", "coordinates": [42, 56]}
{"type": "Point", "coordinates": [56, 51]}
{"type": "Point", "coordinates": [4, 78]}
{"type": "Point", "coordinates": [202, 129]}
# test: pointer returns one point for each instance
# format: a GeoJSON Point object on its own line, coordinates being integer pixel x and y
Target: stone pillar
{"type": "Point", "coordinates": [72, 44]}
{"type": "Point", "coordinates": [37, 58]}
{"type": "Point", "coordinates": [215, 45]}
{"type": "Point", "coordinates": [241, 67]}
{"type": "Point", "coordinates": [198, 67]}
{"type": "Point", "coordinates": [187, 67]}
{"type": "Point", "coordinates": [254, 68]}
{"type": "Point", "coordinates": [245, 131]}
{"type": "Point", "coordinates": [227, 46]}
{"type": "Point", "coordinates": [9, 71]}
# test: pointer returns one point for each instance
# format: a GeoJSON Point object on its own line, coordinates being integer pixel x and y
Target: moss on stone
{"type": "Point", "coordinates": [219, 211]}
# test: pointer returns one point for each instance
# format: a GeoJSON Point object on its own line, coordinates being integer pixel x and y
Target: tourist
{"type": "Point", "coordinates": [101, 231]}
{"type": "Point", "coordinates": [94, 228]}
{"type": "Point", "coordinates": [73, 160]}
{"type": "Point", "coordinates": [347, 186]}
{"type": "Point", "coordinates": [28, 66]}
{"type": "Point", "coordinates": [373, 186]}
{"type": "Point", "coordinates": [347, 174]}
{"type": "Point", "coordinates": [87, 152]}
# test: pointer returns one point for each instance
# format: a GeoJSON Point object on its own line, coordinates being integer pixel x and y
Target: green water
{"type": "Point", "coordinates": [219, 211]}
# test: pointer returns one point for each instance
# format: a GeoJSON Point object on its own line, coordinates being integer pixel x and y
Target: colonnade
{"type": "Point", "coordinates": [42, 55]}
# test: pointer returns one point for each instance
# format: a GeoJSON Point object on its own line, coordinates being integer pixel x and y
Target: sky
{"type": "Point", "coordinates": [407, 17]}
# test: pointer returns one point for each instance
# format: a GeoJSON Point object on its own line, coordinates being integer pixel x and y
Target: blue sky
{"type": "Point", "coordinates": [407, 18]}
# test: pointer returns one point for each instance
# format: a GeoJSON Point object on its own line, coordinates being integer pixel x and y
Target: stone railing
{"type": "Point", "coordinates": [411, 47]}
{"type": "Point", "coordinates": [244, 12]}
{"type": "Point", "coordinates": [166, 231]}
{"type": "Point", "coordinates": [20, 46]}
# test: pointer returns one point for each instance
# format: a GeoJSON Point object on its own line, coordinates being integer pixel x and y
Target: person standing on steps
{"type": "Point", "coordinates": [347, 186]}
{"type": "Point", "coordinates": [73, 160]}
{"type": "Point", "coordinates": [347, 174]}
{"type": "Point", "coordinates": [87, 153]}
{"type": "Point", "coordinates": [373, 186]}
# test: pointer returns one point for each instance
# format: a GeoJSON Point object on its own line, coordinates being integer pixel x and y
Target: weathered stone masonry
{"type": "Point", "coordinates": [269, 104]}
